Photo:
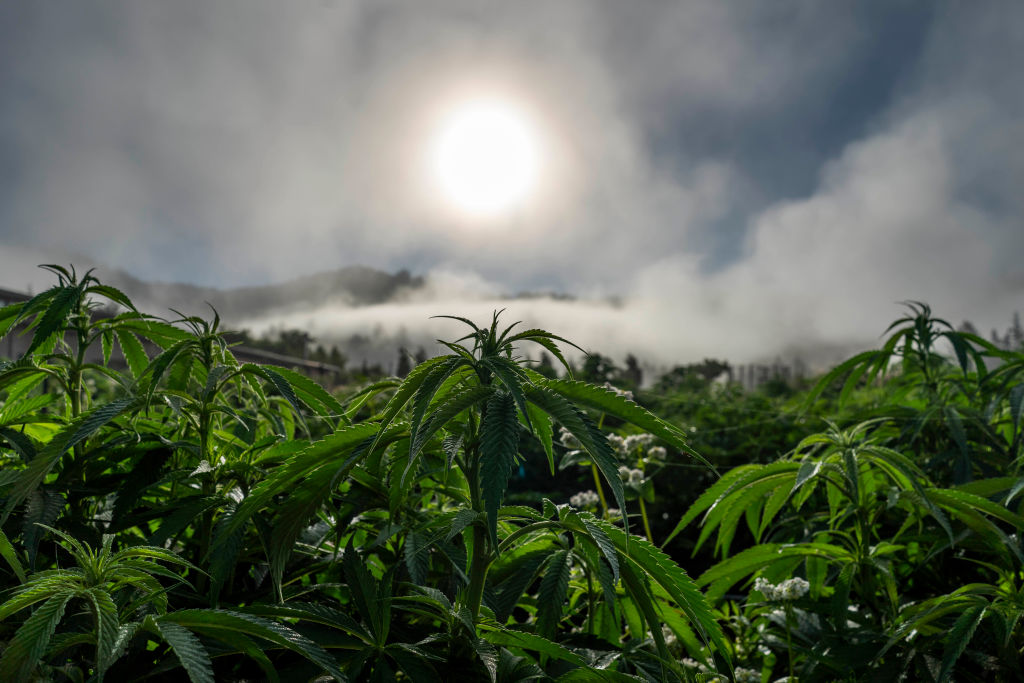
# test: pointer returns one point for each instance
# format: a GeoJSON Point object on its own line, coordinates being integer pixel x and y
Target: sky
{"type": "Point", "coordinates": [743, 178]}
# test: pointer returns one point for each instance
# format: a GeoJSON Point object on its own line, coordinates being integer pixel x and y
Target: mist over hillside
{"type": "Point", "coordinates": [370, 314]}
{"type": "Point", "coordinates": [345, 287]}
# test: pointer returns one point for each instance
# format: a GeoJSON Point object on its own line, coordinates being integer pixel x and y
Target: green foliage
{"type": "Point", "coordinates": [168, 509]}
{"type": "Point", "coordinates": [239, 521]}
{"type": "Point", "coordinates": [901, 521]}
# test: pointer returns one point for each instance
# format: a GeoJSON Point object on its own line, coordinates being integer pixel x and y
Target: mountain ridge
{"type": "Point", "coordinates": [349, 285]}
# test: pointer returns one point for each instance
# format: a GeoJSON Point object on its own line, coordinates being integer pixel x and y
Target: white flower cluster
{"type": "Point", "coordinates": [674, 645]}
{"type": "Point", "coordinates": [619, 392]}
{"type": "Point", "coordinates": [630, 447]}
{"type": "Point", "coordinates": [567, 439]}
{"type": "Point", "coordinates": [618, 444]}
{"type": "Point", "coordinates": [657, 453]}
{"type": "Point", "coordinates": [634, 441]}
{"type": "Point", "coordinates": [694, 664]}
{"type": "Point", "coordinates": [633, 477]}
{"type": "Point", "coordinates": [584, 499]}
{"type": "Point", "coordinates": [790, 589]}
{"type": "Point", "coordinates": [744, 675]}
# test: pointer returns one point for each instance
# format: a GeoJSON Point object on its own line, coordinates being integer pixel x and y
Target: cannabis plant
{"type": "Point", "coordinates": [903, 524]}
{"type": "Point", "coordinates": [436, 464]}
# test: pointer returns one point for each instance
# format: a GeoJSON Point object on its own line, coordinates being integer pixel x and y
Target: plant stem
{"type": "Point", "coordinates": [789, 642]}
{"type": "Point", "coordinates": [647, 524]}
{"type": "Point", "coordinates": [206, 522]}
{"type": "Point", "coordinates": [479, 562]}
{"type": "Point", "coordinates": [590, 603]}
{"type": "Point", "coordinates": [479, 557]}
{"type": "Point", "coordinates": [600, 491]}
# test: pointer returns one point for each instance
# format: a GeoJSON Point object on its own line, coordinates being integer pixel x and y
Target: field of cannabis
{"type": "Point", "coordinates": [179, 514]}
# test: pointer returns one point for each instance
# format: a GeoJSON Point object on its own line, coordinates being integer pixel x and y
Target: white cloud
{"type": "Point", "coordinates": [192, 141]}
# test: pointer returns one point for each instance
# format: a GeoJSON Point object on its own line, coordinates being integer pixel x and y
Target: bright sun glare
{"type": "Point", "coordinates": [485, 157]}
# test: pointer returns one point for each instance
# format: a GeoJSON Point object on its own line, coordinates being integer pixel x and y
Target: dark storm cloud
{"type": "Point", "coordinates": [795, 166]}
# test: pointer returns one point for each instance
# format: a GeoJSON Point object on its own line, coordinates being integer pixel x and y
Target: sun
{"type": "Point", "coordinates": [485, 157]}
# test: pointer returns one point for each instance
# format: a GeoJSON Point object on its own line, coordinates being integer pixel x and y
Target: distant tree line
{"type": "Point", "coordinates": [777, 378]}
{"type": "Point", "coordinates": [1011, 340]}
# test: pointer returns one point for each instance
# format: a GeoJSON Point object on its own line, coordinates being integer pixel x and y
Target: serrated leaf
{"type": "Point", "coordinates": [547, 340]}
{"type": "Point", "coordinates": [229, 546]}
{"type": "Point", "coordinates": [607, 401]}
{"type": "Point", "coordinates": [1017, 406]}
{"type": "Point", "coordinates": [320, 460]}
{"type": "Point", "coordinates": [180, 516]}
{"type": "Point", "coordinates": [587, 433]}
{"type": "Point", "coordinates": [488, 656]}
{"type": "Point", "coordinates": [211, 622]}
{"type": "Point", "coordinates": [417, 557]}
{"type": "Point", "coordinates": [9, 315]}
{"type": "Point", "coordinates": [133, 352]}
{"type": "Point", "coordinates": [772, 507]}
{"type": "Point", "coordinates": [460, 521]}
{"type": "Point", "coordinates": [42, 509]}
{"type": "Point", "coordinates": [41, 586]}
{"type": "Point", "coordinates": [21, 388]}
{"type": "Point", "coordinates": [406, 390]}
{"type": "Point", "coordinates": [159, 365]}
{"type": "Point", "coordinates": [737, 477]}
{"type": "Point", "coordinates": [746, 499]}
{"type": "Point", "coordinates": [517, 577]}
{"type": "Point", "coordinates": [161, 333]}
{"type": "Point", "coordinates": [607, 583]}
{"type": "Point", "coordinates": [958, 500]}
{"type": "Point", "coordinates": [413, 662]}
{"type": "Point", "coordinates": [672, 578]}
{"type": "Point", "coordinates": [283, 386]}
{"type": "Point", "coordinates": [180, 373]}
{"type": "Point", "coordinates": [960, 635]}
{"type": "Point", "coordinates": [112, 293]}
{"type": "Point", "coordinates": [62, 303]}
{"type": "Point", "coordinates": [499, 444]}
{"type": "Point", "coordinates": [535, 643]}
{"type": "Point", "coordinates": [312, 612]}
{"type": "Point", "coordinates": [451, 445]}
{"type": "Point", "coordinates": [79, 430]}
{"type": "Point", "coordinates": [956, 429]}
{"type": "Point", "coordinates": [639, 591]}
{"type": "Point", "coordinates": [189, 651]}
{"type": "Point", "coordinates": [31, 640]}
{"type": "Point", "coordinates": [445, 411]}
{"type": "Point", "coordinates": [604, 543]}
{"type": "Point", "coordinates": [865, 358]}
{"type": "Point", "coordinates": [543, 431]}
{"type": "Point", "coordinates": [107, 624]}
{"type": "Point", "coordinates": [319, 400]}
{"type": "Point", "coordinates": [20, 443]}
{"type": "Point", "coordinates": [511, 376]}
{"type": "Point", "coordinates": [125, 633]}
{"type": "Point", "coordinates": [8, 553]}
{"type": "Point", "coordinates": [247, 646]}
{"type": "Point", "coordinates": [551, 596]}
{"type": "Point", "coordinates": [364, 591]}
{"type": "Point", "coordinates": [107, 345]}
{"type": "Point", "coordinates": [426, 391]}
{"type": "Point", "coordinates": [841, 596]}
